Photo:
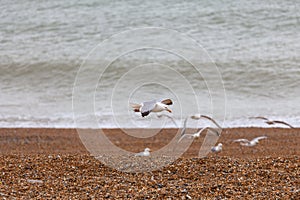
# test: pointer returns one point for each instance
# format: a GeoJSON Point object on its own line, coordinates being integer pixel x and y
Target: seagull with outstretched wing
{"type": "Point", "coordinates": [198, 133]}
{"type": "Point", "coordinates": [152, 106]}
{"type": "Point", "coordinates": [198, 116]}
{"type": "Point", "coordinates": [272, 122]}
{"type": "Point", "coordinates": [253, 142]}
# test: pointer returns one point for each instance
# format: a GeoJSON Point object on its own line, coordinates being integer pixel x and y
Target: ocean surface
{"type": "Point", "coordinates": [69, 64]}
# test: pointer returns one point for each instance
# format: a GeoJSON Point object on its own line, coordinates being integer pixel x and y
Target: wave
{"type": "Point", "coordinates": [108, 122]}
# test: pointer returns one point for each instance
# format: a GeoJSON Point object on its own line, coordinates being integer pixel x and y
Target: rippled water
{"type": "Point", "coordinates": [254, 44]}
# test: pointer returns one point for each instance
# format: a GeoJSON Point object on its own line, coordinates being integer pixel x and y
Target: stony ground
{"type": "Point", "coordinates": [52, 163]}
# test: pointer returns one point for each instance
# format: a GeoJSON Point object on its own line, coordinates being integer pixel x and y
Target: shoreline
{"type": "Point", "coordinates": [280, 141]}
{"type": "Point", "coordinates": [68, 123]}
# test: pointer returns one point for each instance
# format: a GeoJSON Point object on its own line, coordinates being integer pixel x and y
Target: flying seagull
{"type": "Point", "coordinates": [197, 134]}
{"type": "Point", "coordinates": [198, 116]}
{"type": "Point", "coordinates": [245, 142]}
{"type": "Point", "coordinates": [272, 122]}
{"type": "Point", "coordinates": [217, 148]}
{"type": "Point", "coordinates": [152, 106]}
{"type": "Point", "coordinates": [184, 126]}
{"type": "Point", "coordinates": [146, 152]}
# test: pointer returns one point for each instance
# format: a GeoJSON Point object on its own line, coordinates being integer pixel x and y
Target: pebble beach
{"type": "Point", "coordinates": [53, 163]}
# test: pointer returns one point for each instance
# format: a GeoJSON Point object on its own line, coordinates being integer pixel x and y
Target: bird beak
{"type": "Point", "coordinates": [169, 110]}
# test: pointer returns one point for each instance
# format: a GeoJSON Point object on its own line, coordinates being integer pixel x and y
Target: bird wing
{"type": "Point", "coordinates": [282, 122]}
{"type": "Point", "coordinates": [196, 116]}
{"type": "Point", "coordinates": [215, 148]}
{"type": "Point", "coordinates": [214, 130]}
{"type": "Point", "coordinates": [139, 154]}
{"type": "Point", "coordinates": [147, 107]}
{"type": "Point", "coordinates": [259, 138]}
{"type": "Point", "coordinates": [185, 135]}
{"type": "Point", "coordinates": [167, 101]}
{"type": "Point", "coordinates": [135, 105]}
{"type": "Point", "coordinates": [184, 126]}
{"type": "Point", "coordinates": [259, 117]}
{"type": "Point", "coordinates": [212, 120]}
{"type": "Point", "coordinates": [247, 144]}
{"type": "Point", "coordinates": [241, 140]}
{"type": "Point", "coordinates": [200, 131]}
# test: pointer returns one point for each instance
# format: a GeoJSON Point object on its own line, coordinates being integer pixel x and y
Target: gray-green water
{"type": "Point", "coordinates": [255, 45]}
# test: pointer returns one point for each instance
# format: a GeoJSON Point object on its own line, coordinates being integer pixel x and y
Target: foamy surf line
{"type": "Point", "coordinates": [110, 123]}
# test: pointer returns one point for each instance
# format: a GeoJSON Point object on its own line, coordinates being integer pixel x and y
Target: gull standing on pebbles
{"type": "Point", "coordinates": [152, 106]}
{"type": "Point", "coordinates": [217, 149]}
{"type": "Point", "coordinates": [272, 122]}
{"type": "Point", "coordinates": [245, 142]}
{"type": "Point", "coordinates": [197, 134]}
{"type": "Point", "coordinates": [146, 152]}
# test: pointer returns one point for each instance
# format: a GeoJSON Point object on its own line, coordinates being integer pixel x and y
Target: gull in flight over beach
{"type": "Point", "coordinates": [146, 152]}
{"type": "Point", "coordinates": [272, 122]}
{"type": "Point", "coordinates": [245, 142]}
{"type": "Point", "coordinates": [198, 116]}
{"type": "Point", "coordinates": [198, 133]}
{"type": "Point", "coordinates": [217, 149]}
{"type": "Point", "coordinates": [152, 106]}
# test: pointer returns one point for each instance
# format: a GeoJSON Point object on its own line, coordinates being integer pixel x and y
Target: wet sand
{"type": "Point", "coordinates": [53, 163]}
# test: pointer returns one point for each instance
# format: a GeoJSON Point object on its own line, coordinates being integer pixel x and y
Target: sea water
{"type": "Point", "coordinates": [49, 50]}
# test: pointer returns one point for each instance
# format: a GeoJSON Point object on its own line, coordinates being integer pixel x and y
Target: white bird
{"type": "Point", "coordinates": [245, 142]}
{"type": "Point", "coordinates": [272, 122]}
{"type": "Point", "coordinates": [198, 116]}
{"type": "Point", "coordinates": [146, 152]}
{"type": "Point", "coordinates": [198, 133]}
{"type": "Point", "coordinates": [184, 126]}
{"type": "Point", "coordinates": [217, 148]}
{"type": "Point", "coordinates": [152, 106]}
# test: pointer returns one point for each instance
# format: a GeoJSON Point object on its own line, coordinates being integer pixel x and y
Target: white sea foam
{"type": "Point", "coordinates": [108, 122]}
